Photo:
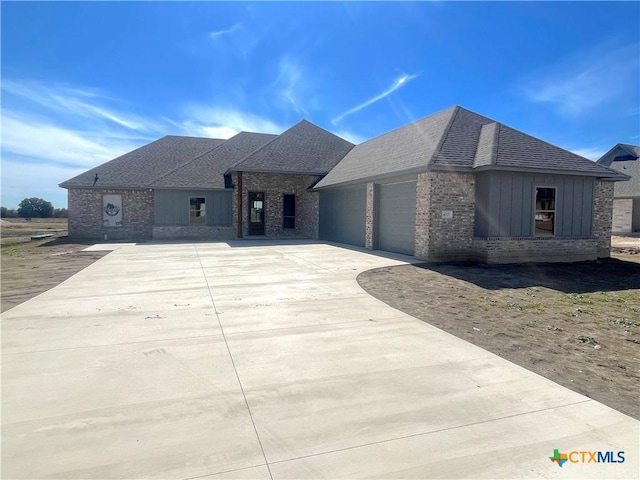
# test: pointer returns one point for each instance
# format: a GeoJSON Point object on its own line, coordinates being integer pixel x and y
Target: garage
{"type": "Point", "coordinates": [342, 215]}
{"type": "Point", "coordinates": [397, 217]}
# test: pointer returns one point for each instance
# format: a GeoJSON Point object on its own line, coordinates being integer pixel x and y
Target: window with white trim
{"type": "Point", "coordinates": [545, 216]}
{"type": "Point", "coordinates": [197, 211]}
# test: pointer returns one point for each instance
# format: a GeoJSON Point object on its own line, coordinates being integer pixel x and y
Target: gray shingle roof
{"type": "Point", "coordinates": [304, 149]}
{"type": "Point", "coordinates": [625, 159]}
{"type": "Point", "coordinates": [207, 171]}
{"type": "Point", "coordinates": [456, 138]}
{"type": "Point", "coordinates": [517, 149]}
{"type": "Point", "coordinates": [405, 149]}
{"type": "Point", "coordinates": [139, 168]}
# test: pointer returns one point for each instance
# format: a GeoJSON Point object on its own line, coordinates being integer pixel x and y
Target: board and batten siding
{"type": "Point", "coordinates": [172, 206]}
{"type": "Point", "coordinates": [343, 215]}
{"type": "Point", "coordinates": [505, 204]}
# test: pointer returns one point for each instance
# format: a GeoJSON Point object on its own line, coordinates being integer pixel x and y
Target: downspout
{"type": "Point", "coordinates": [240, 207]}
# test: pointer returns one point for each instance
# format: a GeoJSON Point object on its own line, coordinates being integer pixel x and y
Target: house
{"type": "Point", "coordinates": [452, 186]}
{"type": "Point", "coordinates": [626, 195]}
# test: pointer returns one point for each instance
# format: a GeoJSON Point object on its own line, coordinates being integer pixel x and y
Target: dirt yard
{"type": "Point", "coordinates": [30, 267]}
{"type": "Point", "coordinates": [576, 324]}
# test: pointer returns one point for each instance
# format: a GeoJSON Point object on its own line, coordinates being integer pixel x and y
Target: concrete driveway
{"type": "Point", "coordinates": [257, 360]}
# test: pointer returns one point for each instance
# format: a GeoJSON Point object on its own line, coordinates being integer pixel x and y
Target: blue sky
{"type": "Point", "coordinates": [84, 82]}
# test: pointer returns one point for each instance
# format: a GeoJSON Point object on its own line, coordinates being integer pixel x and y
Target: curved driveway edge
{"type": "Point", "coordinates": [267, 360]}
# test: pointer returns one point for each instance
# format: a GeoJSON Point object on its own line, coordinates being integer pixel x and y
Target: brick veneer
{"type": "Point", "coordinates": [85, 214]}
{"type": "Point", "coordinates": [602, 217]}
{"type": "Point", "coordinates": [369, 240]}
{"type": "Point", "coordinates": [439, 238]}
{"type": "Point", "coordinates": [275, 186]}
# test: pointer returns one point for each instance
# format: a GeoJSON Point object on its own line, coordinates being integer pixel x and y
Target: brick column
{"type": "Point", "coordinates": [445, 216]}
{"type": "Point", "coordinates": [370, 218]}
{"type": "Point", "coordinates": [602, 214]}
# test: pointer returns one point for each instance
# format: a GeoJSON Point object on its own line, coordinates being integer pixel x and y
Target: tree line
{"type": "Point", "coordinates": [33, 208]}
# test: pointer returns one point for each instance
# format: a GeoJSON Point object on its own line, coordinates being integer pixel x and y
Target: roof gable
{"type": "Point", "coordinates": [140, 167]}
{"type": "Point", "coordinates": [303, 149]}
{"type": "Point", "coordinates": [625, 159]}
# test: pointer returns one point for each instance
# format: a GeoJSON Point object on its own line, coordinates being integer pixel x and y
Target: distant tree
{"type": "Point", "coordinates": [60, 213]}
{"type": "Point", "coordinates": [8, 212]}
{"type": "Point", "coordinates": [35, 207]}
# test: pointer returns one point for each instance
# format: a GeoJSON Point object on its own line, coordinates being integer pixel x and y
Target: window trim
{"type": "Point", "coordinates": [554, 211]}
{"type": "Point", "coordinates": [204, 203]}
{"type": "Point", "coordinates": [284, 217]}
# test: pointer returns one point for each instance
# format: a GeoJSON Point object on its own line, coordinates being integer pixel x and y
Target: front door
{"type": "Point", "coordinates": [256, 213]}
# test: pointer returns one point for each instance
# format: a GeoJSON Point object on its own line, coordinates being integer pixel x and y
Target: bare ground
{"type": "Point", "coordinates": [30, 267]}
{"type": "Point", "coordinates": [576, 324]}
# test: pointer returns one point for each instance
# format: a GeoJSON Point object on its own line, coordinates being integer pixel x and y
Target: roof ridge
{"type": "Point", "coordinates": [255, 151]}
{"type": "Point", "coordinates": [445, 134]}
{"type": "Point", "coordinates": [494, 160]}
{"type": "Point", "coordinates": [477, 160]}
{"type": "Point", "coordinates": [222, 142]}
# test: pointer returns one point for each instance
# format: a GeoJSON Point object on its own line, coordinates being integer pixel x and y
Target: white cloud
{"type": "Point", "coordinates": [33, 138]}
{"type": "Point", "coordinates": [397, 83]}
{"type": "Point", "coordinates": [351, 136]}
{"type": "Point", "coordinates": [290, 84]}
{"type": "Point", "coordinates": [73, 102]}
{"type": "Point", "coordinates": [592, 153]}
{"type": "Point", "coordinates": [591, 79]}
{"type": "Point", "coordinates": [21, 180]}
{"type": "Point", "coordinates": [223, 122]}
{"type": "Point", "coordinates": [220, 33]}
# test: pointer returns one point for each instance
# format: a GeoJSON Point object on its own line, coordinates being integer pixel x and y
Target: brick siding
{"type": "Point", "coordinates": [85, 214]}
{"type": "Point", "coordinates": [275, 186]}
{"type": "Point", "coordinates": [439, 238]}
{"type": "Point", "coordinates": [369, 240]}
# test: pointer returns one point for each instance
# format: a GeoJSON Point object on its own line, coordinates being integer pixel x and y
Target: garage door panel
{"type": "Point", "coordinates": [343, 215]}
{"type": "Point", "coordinates": [397, 217]}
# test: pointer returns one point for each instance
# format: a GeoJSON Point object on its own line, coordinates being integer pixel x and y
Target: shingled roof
{"type": "Point", "coordinates": [207, 171]}
{"type": "Point", "coordinates": [303, 149]}
{"type": "Point", "coordinates": [139, 168]}
{"type": "Point", "coordinates": [624, 158]}
{"type": "Point", "coordinates": [457, 139]}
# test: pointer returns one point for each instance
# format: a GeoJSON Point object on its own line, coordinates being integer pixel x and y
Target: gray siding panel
{"type": "Point", "coordinates": [172, 206]}
{"type": "Point", "coordinates": [482, 205]}
{"type": "Point", "coordinates": [505, 204]}
{"type": "Point", "coordinates": [397, 217]}
{"type": "Point", "coordinates": [343, 215]}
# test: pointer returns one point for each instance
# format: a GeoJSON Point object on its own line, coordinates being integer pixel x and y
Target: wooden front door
{"type": "Point", "coordinates": [256, 213]}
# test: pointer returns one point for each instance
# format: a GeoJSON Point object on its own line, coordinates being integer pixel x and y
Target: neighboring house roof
{"type": "Point", "coordinates": [139, 168]}
{"type": "Point", "coordinates": [303, 149]}
{"type": "Point", "coordinates": [207, 171]}
{"type": "Point", "coordinates": [626, 159]}
{"type": "Point", "coordinates": [457, 139]}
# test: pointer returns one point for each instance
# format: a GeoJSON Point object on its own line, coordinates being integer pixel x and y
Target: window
{"type": "Point", "coordinates": [545, 217]}
{"type": "Point", "coordinates": [289, 211]}
{"type": "Point", "coordinates": [197, 211]}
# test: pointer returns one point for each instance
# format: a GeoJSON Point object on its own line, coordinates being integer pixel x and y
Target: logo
{"type": "Point", "coordinates": [579, 456]}
{"type": "Point", "coordinates": [111, 209]}
{"type": "Point", "coordinates": [559, 458]}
